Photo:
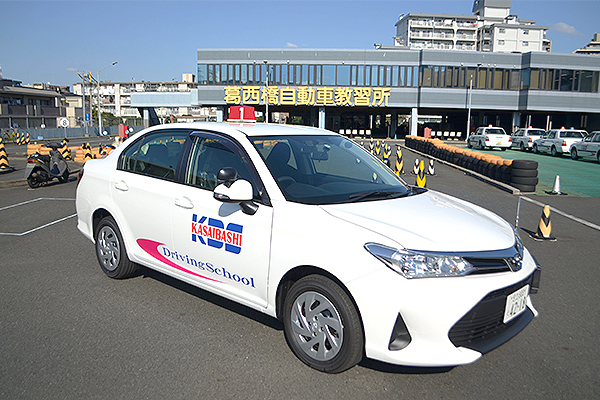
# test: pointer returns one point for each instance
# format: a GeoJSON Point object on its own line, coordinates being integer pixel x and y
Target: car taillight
{"type": "Point", "coordinates": [530, 140]}
{"type": "Point", "coordinates": [487, 138]}
{"type": "Point", "coordinates": [509, 140]}
{"type": "Point", "coordinates": [564, 143]}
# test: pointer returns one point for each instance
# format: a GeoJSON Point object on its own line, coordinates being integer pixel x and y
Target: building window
{"type": "Point", "coordinates": [500, 42]}
{"type": "Point", "coordinates": [525, 44]}
{"type": "Point", "coordinates": [501, 30]}
{"type": "Point", "coordinates": [525, 32]}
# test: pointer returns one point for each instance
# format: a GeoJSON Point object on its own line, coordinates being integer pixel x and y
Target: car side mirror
{"type": "Point", "coordinates": [239, 192]}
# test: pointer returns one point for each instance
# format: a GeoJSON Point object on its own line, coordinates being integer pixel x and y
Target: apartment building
{"type": "Point", "coordinates": [491, 28]}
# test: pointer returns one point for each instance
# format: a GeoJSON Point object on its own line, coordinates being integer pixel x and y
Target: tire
{"type": "Point", "coordinates": [574, 155]}
{"type": "Point", "coordinates": [33, 182]}
{"type": "Point", "coordinates": [521, 180]}
{"type": "Point", "coordinates": [335, 330]}
{"type": "Point", "coordinates": [526, 173]}
{"type": "Point", "coordinates": [524, 188]}
{"type": "Point", "coordinates": [524, 164]}
{"type": "Point", "coordinates": [522, 146]}
{"type": "Point", "coordinates": [110, 250]}
{"type": "Point", "coordinates": [481, 145]}
{"type": "Point", "coordinates": [64, 178]}
{"type": "Point", "coordinates": [554, 152]}
{"type": "Point", "coordinates": [469, 145]}
{"type": "Point", "coordinates": [535, 149]}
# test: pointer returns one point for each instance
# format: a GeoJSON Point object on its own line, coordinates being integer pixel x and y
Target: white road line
{"type": "Point", "coordinates": [564, 214]}
{"type": "Point", "coordinates": [32, 201]}
{"type": "Point", "coordinates": [38, 228]}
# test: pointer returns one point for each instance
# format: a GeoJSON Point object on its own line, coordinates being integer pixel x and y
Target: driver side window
{"type": "Point", "coordinates": [211, 154]}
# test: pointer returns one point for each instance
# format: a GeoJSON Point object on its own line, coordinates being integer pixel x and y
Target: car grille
{"type": "Point", "coordinates": [488, 265]}
{"type": "Point", "coordinates": [483, 329]}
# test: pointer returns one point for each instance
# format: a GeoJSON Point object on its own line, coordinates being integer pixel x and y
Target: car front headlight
{"type": "Point", "coordinates": [412, 264]}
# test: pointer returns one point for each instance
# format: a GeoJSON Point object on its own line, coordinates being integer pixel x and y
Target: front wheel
{"type": "Point", "coordinates": [535, 149]}
{"type": "Point", "coordinates": [322, 325]}
{"type": "Point", "coordinates": [64, 177]}
{"type": "Point", "coordinates": [574, 155]}
{"type": "Point", "coordinates": [522, 146]}
{"type": "Point", "coordinates": [110, 250]}
{"type": "Point", "coordinates": [553, 151]}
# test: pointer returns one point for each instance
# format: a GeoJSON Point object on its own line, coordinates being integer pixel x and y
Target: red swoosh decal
{"type": "Point", "coordinates": [151, 247]}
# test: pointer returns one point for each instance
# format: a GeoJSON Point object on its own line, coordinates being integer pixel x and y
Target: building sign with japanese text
{"type": "Point", "coordinates": [307, 96]}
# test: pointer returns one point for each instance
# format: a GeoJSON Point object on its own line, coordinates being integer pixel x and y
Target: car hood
{"type": "Point", "coordinates": [430, 221]}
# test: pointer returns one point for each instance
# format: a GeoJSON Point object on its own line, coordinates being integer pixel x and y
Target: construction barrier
{"type": "Point", "coordinates": [544, 230]}
{"type": "Point", "coordinates": [4, 165]}
{"type": "Point", "coordinates": [431, 168]}
{"type": "Point", "coordinates": [520, 174]}
{"type": "Point", "coordinates": [421, 177]}
{"type": "Point", "coordinates": [399, 162]}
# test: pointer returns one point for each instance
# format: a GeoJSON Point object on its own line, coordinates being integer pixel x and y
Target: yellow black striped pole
{"type": "Point", "coordinates": [87, 152]}
{"type": "Point", "coordinates": [4, 166]}
{"type": "Point", "coordinates": [377, 148]}
{"type": "Point", "coordinates": [64, 150]}
{"type": "Point", "coordinates": [27, 138]}
{"type": "Point", "coordinates": [399, 162]}
{"type": "Point", "coordinates": [544, 229]}
{"type": "Point", "coordinates": [421, 177]}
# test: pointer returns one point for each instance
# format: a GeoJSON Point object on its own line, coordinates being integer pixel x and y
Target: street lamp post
{"type": "Point", "coordinates": [98, 99]}
{"type": "Point", "coordinates": [469, 112]}
{"type": "Point", "coordinates": [267, 95]}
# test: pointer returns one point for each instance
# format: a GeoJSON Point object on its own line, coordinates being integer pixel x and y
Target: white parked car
{"type": "Point", "coordinates": [489, 137]}
{"type": "Point", "coordinates": [589, 147]}
{"type": "Point", "coordinates": [523, 138]}
{"type": "Point", "coordinates": [558, 141]}
{"type": "Point", "coordinates": [306, 226]}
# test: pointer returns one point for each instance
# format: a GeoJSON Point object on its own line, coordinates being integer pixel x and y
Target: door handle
{"type": "Point", "coordinates": [122, 186]}
{"type": "Point", "coordinates": [184, 202]}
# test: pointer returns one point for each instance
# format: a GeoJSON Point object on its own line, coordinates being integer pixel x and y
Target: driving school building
{"type": "Point", "coordinates": [391, 91]}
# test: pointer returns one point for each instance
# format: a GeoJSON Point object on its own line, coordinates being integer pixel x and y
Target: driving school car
{"type": "Point", "coordinates": [306, 226]}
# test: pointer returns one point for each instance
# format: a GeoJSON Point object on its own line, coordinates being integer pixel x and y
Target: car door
{"type": "Point", "coordinates": [546, 142]}
{"type": "Point", "coordinates": [142, 188]}
{"type": "Point", "coordinates": [217, 245]}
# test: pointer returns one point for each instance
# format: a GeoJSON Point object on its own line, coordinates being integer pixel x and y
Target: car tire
{"type": "Point", "coordinates": [522, 146]}
{"type": "Point", "coordinates": [469, 145]}
{"type": "Point", "coordinates": [524, 164]}
{"type": "Point", "coordinates": [554, 152]}
{"type": "Point", "coordinates": [523, 180]}
{"type": "Point", "coordinates": [110, 250]}
{"type": "Point", "coordinates": [481, 145]}
{"type": "Point", "coordinates": [524, 188]}
{"type": "Point", "coordinates": [335, 330]}
{"type": "Point", "coordinates": [525, 173]}
{"type": "Point", "coordinates": [574, 155]}
{"type": "Point", "coordinates": [535, 149]}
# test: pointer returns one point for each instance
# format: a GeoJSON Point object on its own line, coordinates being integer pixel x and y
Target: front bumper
{"type": "Point", "coordinates": [435, 322]}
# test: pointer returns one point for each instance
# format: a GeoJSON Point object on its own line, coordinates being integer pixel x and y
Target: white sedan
{"type": "Point", "coordinates": [588, 147]}
{"type": "Point", "coordinates": [307, 227]}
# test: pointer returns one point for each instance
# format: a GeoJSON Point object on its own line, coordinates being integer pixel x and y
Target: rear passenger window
{"type": "Point", "coordinates": [155, 155]}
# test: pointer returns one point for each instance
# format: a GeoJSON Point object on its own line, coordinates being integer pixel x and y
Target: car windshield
{"type": "Point", "coordinates": [326, 170]}
{"type": "Point", "coordinates": [496, 131]}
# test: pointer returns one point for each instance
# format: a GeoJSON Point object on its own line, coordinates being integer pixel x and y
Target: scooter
{"type": "Point", "coordinates": [43, 168]}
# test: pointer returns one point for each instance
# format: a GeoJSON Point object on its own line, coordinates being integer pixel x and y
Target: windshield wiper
{"type": "Point", "coordinates": [377, 194]}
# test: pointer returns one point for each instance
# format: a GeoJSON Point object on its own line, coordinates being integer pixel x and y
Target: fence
{"type": "Point", "coordinates": [10, 135]}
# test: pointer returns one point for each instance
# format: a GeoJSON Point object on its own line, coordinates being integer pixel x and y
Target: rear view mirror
{"type": "Point", "coordinates": [239, 192]}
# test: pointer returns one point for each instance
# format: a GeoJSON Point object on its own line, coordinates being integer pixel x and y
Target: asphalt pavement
{"type": "Point", "coordinates": [69, 332]}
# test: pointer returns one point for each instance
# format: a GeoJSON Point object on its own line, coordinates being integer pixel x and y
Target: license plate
{"type": "Point", "coordinates": [516, 303]}
{"type": "Point", "coordinates": [499, 141]}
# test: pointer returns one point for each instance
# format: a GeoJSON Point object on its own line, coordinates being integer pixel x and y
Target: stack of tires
{"type": "Point", "coordinates": [524, 175]}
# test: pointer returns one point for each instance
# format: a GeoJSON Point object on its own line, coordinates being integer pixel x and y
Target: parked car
{"type": "Point", "coordinates": [558, 141]}
{"type": "Point", "coordinates": [306, 226]}
{"type": "Point", "coordinates": [523, 138]}
{"type": "Point", "coordinates": [489, 137]}
{"type": "Point", "coordinates": [589, 147]}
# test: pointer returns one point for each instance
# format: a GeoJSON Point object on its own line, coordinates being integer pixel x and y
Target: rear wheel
{"type": "Point", "coordinates": [553, 151]}
{"type": "Point", "coordinates": [322, 325]}
{"type": "Point", "coordinates": [535, 149]}
{"type": "Point", "coordinates": [522, 146]}
{"type": "Point", "coordinates": [110, 250]}
{"type": "Point", "coordinates": [33, 182]}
